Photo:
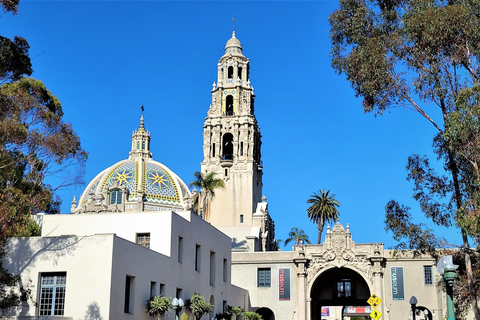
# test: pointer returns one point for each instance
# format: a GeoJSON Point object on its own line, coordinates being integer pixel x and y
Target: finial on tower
{"type": "Point", "coordinates": [234, 21]}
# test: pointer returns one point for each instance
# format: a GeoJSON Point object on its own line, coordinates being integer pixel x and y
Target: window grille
{"type": "Point", "coordinates": [52, 294]}
{"type": "Point", "coordinates": [143, 239]}
{"type": "Point", "coordinates": [264, 277]}
{"type": "Point", "coordinates": [427, 273]}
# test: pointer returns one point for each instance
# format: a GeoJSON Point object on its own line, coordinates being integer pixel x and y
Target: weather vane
{"type": "Point", "coordinates": [234, 21]}
{"type": "Point", "coordinates": [143, 109]}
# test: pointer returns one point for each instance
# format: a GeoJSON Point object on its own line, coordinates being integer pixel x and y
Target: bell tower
{"type": "Point", "coordinates": [232, 141]}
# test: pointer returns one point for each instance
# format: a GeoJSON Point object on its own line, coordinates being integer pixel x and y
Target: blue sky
{"type": "Point", "coordinates": [104, 59]}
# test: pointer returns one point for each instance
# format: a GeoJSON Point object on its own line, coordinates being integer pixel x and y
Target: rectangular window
{"type": "Point", "coordinates": [344, 288]}
{"type": "Point", "coordinates": [241, 218]}
{"type": "Point", "coordinates": [264, 277]}
{"type": "Point", "coordinates": [153, 289]}
{"type": "Point", "coordinates": [129, 289]}
{"type": "Point", "coordinates": [213, 150]}
{"type": "Point", "coordinates": [212, 268]}
{"type": "Point", "coordinates": [241, 148]}
{"type": "Point", "coordinates": [52, 294]}
{"type": "Point", "coordinates": [197, 257]}
{"type": "Point", "coordinates": [162, 289]}
{"type": "Point", "coordinates": [224, 270]}
{"type": "Point", "coordinates": [427, 274]}
{"type": "Point", "coordinates": [180, 249]}
{"type": "Point", "coordinates": [179, 293]}
{"type": "Point", "coordinates": [143, 239]}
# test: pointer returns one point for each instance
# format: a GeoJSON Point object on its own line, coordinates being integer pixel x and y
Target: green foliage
{"type": "Point", "coordinates": [228, 313]}
{"type": "Point", "coordinates": [158, 306]}
{"type": "Point", "coordinates": [198, 306]}
{"type": "Point", "coordinates": [207, 184]}
{"type": "Point", "coordinates": [298, 235]}
{"type": "Point", "coordinates": [323, 208]}
{"type": "Point", "coordinates": [248, 315]}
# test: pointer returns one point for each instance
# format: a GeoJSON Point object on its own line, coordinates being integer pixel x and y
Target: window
{"type": "Point", "coordinates": [153, 289]}
{"type": "Point", "coordinates": [180, 249]}
{"type": "Point", "coordinates": [197, 257]}
{"type": "Point", "coordinates": [178, 293]}
{"type": "Point", "coordinates": [143, 239]}
{"type": "Point", "coordinates": [241, 218]}
{"type": "Point", "coordinates": [129, 286]}
{"type": "Point", "coordinates": [52, 294]}
{"type": "Point", "coordinates": [344, 288]}
{"type": "Point", "coordinates": [116, 197]}
{"type": "Point", "coordinates": [213, 150]}
{"type": "Point", "coordinates": [241, 148]}
{"type": "Point", "coordinates": [212, 268]}
{"type": "Point", "coordinates": [162, 289]}
{"type": "Point", "coordinates": [224, 270]}
{"type": "Point", "coordinates": [427, 274]}
{"type": "Point", "coordinates": [239, 72]}
{"type": "Point", "coordinates": [264, 276]}
{"type": "Point", "coordinates": [226, 172]}
{"type": "Point", "coordinates": [230, 72]}
{"type": "Point", "coordinates": [229, 106]}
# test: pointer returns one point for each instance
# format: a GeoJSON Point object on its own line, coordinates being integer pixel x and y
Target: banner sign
{"type": "Point", "coordinates": [325, 312]}
{"type": "Point", "coordinates": [398, 291]}
{"type": "Point", "coordinates": [284, 284]}
{"type": "Point", "coordinates": [358, 310]}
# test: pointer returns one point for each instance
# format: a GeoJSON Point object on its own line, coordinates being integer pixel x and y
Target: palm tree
{"type": "Point", "coordinates": [323, 209]}
{"type": "Point", "coordinates": [298, 235]}
{"type": "Point", "coordinates": [207, 184]}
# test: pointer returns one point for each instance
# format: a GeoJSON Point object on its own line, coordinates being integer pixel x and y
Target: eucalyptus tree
{"type": "Point", "coordinates": [414, 53]}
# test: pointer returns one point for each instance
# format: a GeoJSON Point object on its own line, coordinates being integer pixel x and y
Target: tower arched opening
{"type": "Point", "coordinates": [230, 72]}
{"type": "Point", "coordinates": [227, 146]}
{"type": "Point", "coordinates": [338, 287]}
{"type": "Point", "coordinates": [229, 106]}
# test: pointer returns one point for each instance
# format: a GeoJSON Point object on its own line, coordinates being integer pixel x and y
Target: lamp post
{"type": "Point", "coordinates": [413, 302]}
{"type": "Point", "coordinates": [177, 305]}
{"type": "Point", "coordinates": [447, 269]}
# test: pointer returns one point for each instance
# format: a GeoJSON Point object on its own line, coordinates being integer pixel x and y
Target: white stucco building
{"type": "Point", "coordinates": [132, 234]}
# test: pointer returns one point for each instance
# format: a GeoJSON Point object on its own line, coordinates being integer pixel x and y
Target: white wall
{"type": "Point", "coordinates": [87, 262]}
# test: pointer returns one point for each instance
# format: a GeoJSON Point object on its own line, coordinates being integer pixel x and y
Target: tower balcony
{"type": "Point", "coordinates": [226, 161]}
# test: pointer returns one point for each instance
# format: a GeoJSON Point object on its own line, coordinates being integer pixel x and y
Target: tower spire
{"type": "Point", "coordinates": [140, 142]}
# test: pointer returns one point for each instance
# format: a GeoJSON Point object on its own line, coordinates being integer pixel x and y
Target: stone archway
{"type": "Point", "coordinates": [337, 287]}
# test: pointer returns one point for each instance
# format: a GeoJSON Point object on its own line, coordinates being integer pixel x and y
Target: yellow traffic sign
{"type": "Point", "coordinates": [375, 314]}
{"type": "Point", "coordinates": [374, 300]}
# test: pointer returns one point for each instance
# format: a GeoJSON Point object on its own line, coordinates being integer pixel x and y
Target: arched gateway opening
{"type": "Point", "coordinates": [266, 313]}
{"type": "Point", "coordinates": [339, 287]}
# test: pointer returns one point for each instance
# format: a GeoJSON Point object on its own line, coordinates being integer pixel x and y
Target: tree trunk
{"type": "Point", "coordinates": [468, 263]}
{"type": "Point", "coordinates": [320, 226]}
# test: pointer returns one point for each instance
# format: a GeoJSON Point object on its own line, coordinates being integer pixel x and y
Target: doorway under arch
{"type": "Point", "coordinates": [266, 313]}
{"type": "Point", "coordinates": [338, 287]}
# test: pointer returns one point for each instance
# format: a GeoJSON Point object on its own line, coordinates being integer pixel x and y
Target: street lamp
{"type": "Point", "coordinates": [447, 269]}
{"type": "Point", "coordinates": [177, 305]}
{"type": "Point", "coordinates": [413, 302]}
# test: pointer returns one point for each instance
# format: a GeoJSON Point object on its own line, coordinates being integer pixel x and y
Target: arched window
{"type": "Point", "coordinates": [229, 106]}
{"type": "Point", "coordinates": [239, 73]}
{"type": "Point", "coordinates": [138, 144]}
{"type": "Point", "coordinates": [116, 197]}
{"type": "Point", "coordinates": [143, 145]}
{"type": "Point", "coordinates": [227, 147]}
{"type": "Point", "coordinates": [230, 72]}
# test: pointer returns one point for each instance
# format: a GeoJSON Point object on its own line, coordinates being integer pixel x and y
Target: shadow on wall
{"type": "Point", "coordinates": [24, 253]}
{"type": "Point", "coordinates": [93, 312]}
{"type": "Point", "coordinates": [239, 244]}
